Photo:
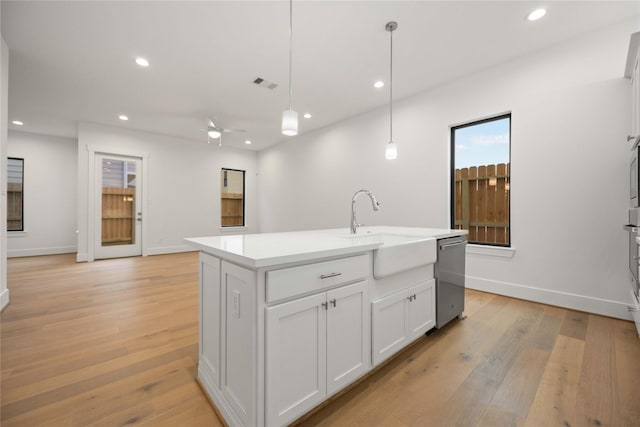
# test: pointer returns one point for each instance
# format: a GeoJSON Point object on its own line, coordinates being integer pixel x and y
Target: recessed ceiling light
{"type": "Point", "coordinates": [123, 117]}
{"type": "Point", "coordinates": [247, 142]}
{"type": "Point", "coordinates": [307, 116]}
{"type": "Point", "coordinates": [17, 122]}
{"type": "Point", "coordinates": [536, 14]}
{"type": "Point", "coordinates": [142, 62]}
{"type": "Point", "coordinates": [379, 84]}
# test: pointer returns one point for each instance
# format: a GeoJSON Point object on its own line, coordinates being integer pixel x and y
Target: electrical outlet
{"type": "Point", "coordinates": [236, 303]}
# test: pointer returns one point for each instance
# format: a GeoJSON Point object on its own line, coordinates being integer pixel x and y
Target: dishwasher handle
{"type": "Point", "coordinates": [450, 245]}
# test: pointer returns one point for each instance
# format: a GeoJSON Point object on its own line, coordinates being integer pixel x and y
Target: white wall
{"type": "Point", "coordinates": [570, 117]}
{"type": "Point", "coordinates": [182, 186]}
{"type": "Point", "coordinates": [4, 89]}
{"type": "Point", "coordinates": [49, 194]}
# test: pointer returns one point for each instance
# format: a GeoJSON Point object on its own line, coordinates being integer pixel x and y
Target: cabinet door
{"type": "Point", "coordinates": [348, 332]}
{"type": "Point", "coordinates": [635, 97]}
{"type": "Point", "coordinates": [421, 309]}
{"type": "Point", "coordinates": [209, 361]}
{"type": "Point", "coordinates": [295, 358]}
{"type": "Point", "coordinates": [389, 325]}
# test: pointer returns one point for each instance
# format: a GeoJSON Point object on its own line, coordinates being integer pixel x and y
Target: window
{"type": "Point", "coordinates": [232, 198]}
{"type": "Point", "coordinates": [480, 180]}
{"type": "Point", "coordinates": [15, 195]}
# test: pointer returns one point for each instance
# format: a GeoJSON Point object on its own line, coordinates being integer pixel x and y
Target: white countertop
{"type": "Point", "coordinates": [270, 249]}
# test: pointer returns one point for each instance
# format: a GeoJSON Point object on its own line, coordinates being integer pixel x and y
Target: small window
{"type": "Point", "coordinates": [480, 180]}
{"type": "Point", "coordinates": [232, 198]}
{"type": "Point", "coordinates": [15, 194]}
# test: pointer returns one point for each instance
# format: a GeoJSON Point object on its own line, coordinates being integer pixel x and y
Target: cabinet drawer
{"type": "Point", "coordinates": [293, 281]}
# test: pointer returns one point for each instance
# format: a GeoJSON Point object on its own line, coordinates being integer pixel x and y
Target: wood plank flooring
{"type": "Point", "coordinates": [115, 343]}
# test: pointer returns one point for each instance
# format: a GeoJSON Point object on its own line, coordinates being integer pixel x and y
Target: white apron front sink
{"type": "Point", "coordinates": [398, 252]}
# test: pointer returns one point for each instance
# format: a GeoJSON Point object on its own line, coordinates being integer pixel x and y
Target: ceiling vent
{"type": "Point", "coordinates": [265, 83]}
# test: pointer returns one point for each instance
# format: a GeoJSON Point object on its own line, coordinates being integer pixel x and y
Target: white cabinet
{"type": "Point", "coordinates": [635, 97]}
{"type": "Point", "coordinates": [277, 342]}
{"type": "Point", "coordinates": [314, 346]}
{"type": "Point", "coordinates": [632, 71]}
{"type": "Point", "coordinates": [400, 318]}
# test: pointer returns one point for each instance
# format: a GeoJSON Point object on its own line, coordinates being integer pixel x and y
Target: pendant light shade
{"type": "Point", "coordinates": [289, 123]}
{"type": "Point", "coordinates": [391, 151]}
{"type": "Point", "coordinates": [290, 117]}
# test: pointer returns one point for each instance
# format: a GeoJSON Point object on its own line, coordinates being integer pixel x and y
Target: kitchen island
{"type": "Point", "coordinates": [289, 319]}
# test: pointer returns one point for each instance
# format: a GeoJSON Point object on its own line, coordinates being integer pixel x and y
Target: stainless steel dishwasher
{"type": "Point", "coordinates": [449, 272]}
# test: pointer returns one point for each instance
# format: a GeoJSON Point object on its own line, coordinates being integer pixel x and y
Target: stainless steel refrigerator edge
{"type": "Point", "coordinates": [449, 272]}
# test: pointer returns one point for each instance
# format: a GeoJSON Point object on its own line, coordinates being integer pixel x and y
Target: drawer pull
{"type": "Point", "coordinates": [327, 276]}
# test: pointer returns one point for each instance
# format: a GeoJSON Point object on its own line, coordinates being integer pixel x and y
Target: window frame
{"type": "Point", "coordinates": [21, 230]}
{"type": "Point", "coordinates": [452, 175]}
{"type": "Point", "coordinates": [244, 200]}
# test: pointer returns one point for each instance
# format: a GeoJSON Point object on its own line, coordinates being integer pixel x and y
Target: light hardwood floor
{"type": "Point", "coordinates": [115, 343]}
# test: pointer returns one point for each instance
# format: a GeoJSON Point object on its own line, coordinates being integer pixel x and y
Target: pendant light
{"type": "Point", "coordinates": [290, 117]}
{"type": "Point", "coordinates": [391, 152]}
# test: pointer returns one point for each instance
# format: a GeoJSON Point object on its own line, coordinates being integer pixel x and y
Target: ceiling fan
{"type": "Point", "coordinates": [215, 132]}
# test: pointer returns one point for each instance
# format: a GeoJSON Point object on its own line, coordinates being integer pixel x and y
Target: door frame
{"type": "Point", "coordinates": [91, 196]}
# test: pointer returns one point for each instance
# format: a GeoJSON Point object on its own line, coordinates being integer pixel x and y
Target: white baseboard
{"type": "Point", "coordinates": [13, 253]}
{"type": "Point", "coordinates": [170, 250]}
{"type": "Point", "coordinates": [84, 257]}
{"type": "Point", "coordinates": [4, 299]}
{"type": "Point", "coordinates": [604, 307]}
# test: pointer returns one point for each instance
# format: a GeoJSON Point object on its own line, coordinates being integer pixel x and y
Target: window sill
{"type": "Point", "coordinates": [17, 233]}
{"type": "Point", "coordinates": [233, 229]}
{"type": "Point", "coordinates": [497, 251]}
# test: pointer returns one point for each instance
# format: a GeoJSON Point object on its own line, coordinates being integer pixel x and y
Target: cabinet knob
{"type": "Point", "coordinates": [333, 302]}
{"type": "Point", "coordinates": [325, 305]}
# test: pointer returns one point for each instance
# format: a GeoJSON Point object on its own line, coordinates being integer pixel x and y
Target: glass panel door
{"type": "Point", "coordinates": [118, 214]}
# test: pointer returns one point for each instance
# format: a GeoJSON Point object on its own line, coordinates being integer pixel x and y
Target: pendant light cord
{"type": "Point", "coordinates": [290, 47]}
{"type": "Point", "coordinates": [391, 89]}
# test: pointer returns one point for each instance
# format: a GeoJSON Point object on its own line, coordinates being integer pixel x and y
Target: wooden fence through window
{"type": "Point", "coordinates": [482, 200]}
{"type": "Point", "coordinates": [14, 207]}
{"type": "Point", "coordinates": [118, 219]}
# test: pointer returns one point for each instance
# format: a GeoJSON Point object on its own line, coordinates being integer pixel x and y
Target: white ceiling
{"type": "Point", "coordinates": [73, 61]}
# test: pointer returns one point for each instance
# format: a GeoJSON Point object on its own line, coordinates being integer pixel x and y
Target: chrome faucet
{"type": "Point", "coordinates": [374, 204]}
